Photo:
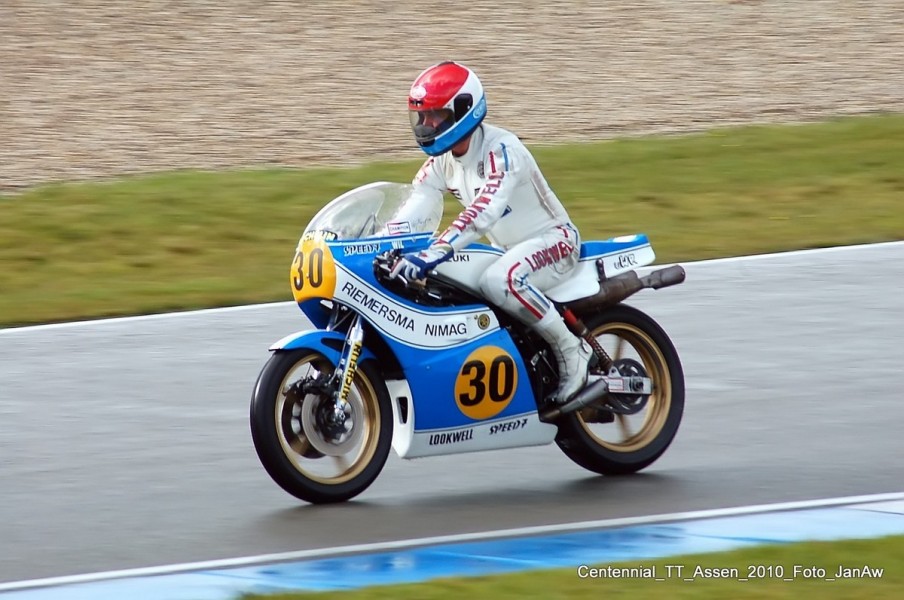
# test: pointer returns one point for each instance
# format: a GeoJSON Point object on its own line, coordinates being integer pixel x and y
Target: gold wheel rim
{"type": "Point", "coordinates": [327, 470]}
{"type": "Point", "coordinates": [656, 411]}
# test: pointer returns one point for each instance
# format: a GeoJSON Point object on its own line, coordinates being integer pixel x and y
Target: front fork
{"type": "Point", "coordinates": [344, 374]}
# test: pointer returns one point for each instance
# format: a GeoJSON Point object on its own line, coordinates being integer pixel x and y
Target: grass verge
{"type": "Point", "coordinates": [773, 564]}
{"type": "Point", "coordinates": [186, 240]}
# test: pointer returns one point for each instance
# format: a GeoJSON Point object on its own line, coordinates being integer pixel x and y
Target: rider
{"type": "Point", "coordinates": [492, 174]}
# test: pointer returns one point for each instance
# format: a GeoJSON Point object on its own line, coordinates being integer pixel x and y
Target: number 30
{"type": "Point", "coordinates": [315, 269]}
{"type": "Point", "coordinates": [502, 371]}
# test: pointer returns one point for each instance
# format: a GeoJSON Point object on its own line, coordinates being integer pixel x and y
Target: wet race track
{"type": "Point", "coordinates": [125, 443]}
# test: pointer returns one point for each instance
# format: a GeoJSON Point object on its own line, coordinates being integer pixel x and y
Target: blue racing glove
{"type": "Point", "coordinates": [415, 265]}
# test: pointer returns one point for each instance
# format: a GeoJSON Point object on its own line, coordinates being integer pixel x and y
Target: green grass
{"type": "Point", "coordinates": [195, 239]}
{"type": "Point", "coordinates": [884, 553]}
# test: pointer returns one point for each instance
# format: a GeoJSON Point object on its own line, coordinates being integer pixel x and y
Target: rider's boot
{"type": "Point", "coordinates": [572, 354]}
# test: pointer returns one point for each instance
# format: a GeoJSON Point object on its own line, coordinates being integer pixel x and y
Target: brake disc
{"type": "Point", "coordinates": [332, 437]}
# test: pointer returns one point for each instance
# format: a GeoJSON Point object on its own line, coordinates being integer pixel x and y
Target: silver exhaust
{"type": "Point", "coordinates": [618, 288]}
{"type": "Point", "coordinates": [591, 393]}
{"type": "Point", "coordinates": [666, 277]}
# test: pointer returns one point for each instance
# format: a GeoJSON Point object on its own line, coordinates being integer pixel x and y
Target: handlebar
{"type": "Point", "coordinates": [386, 261]}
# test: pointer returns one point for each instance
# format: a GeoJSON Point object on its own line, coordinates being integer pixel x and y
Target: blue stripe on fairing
{"type": "Point", "coordinates": [568, 550]}
{"type": "Point", "coordinates": [596, 248]}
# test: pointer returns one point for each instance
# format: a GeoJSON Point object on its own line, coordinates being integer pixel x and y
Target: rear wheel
{"type": "Point", "coordinates": [625, 443]}
{"type": "Point", "coordinates": [298, 442]}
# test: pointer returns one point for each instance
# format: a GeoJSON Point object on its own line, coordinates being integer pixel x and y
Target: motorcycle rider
{"type": "Point", "coordinates": [506, 198]}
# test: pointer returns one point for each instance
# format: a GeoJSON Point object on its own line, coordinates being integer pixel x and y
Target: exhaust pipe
{"type": "Point", "coordinates": [592, 392]}
{"type": "Point", "coordinates": [664, 277]}
{"type": "Point", "coordinates": [618, 288]}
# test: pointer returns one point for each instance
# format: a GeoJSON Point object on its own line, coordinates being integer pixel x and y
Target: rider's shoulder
{"type": "Point", "coordinates": [493, 136]}
{"type": "Point", "coordinates": [502, 143]}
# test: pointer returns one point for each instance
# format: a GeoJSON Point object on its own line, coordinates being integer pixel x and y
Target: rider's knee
{"type": "Point", "coordinates": [494, 284]}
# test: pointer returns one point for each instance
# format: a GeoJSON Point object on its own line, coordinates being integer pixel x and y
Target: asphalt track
{"type": "Point", "coordinates": [125, 443]}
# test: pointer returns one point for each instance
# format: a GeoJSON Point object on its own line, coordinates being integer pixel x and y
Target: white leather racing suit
{"type": "Point", "coordinates": [508, 200]}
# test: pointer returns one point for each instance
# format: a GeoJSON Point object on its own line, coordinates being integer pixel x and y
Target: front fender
{"type": "Point", "coordinates": [328, 343]}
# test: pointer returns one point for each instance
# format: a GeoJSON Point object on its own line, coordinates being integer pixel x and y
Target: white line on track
{"type": "Point", "coordinates": [446, 539]}
{"type": "Point", "coordinates": [713, 261]}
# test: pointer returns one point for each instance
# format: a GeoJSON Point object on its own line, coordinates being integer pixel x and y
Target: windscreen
{"type": "Point", "coordinates": [378, 210]}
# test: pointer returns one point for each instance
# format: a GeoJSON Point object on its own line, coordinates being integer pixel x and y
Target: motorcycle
{"type": "Point", "coordinates": [429, 368]}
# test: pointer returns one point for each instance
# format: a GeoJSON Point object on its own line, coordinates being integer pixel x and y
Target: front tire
{"type": "Point", "coordinates": [293, 447]}
{"type": "Point", "coordinates": [628, 443]}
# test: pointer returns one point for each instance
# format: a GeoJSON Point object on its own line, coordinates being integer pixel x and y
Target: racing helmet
{"type": "Point", "coordinates": [446, 103]}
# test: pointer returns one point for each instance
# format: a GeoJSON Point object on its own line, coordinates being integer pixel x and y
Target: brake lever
{"type": "Point", "coordinates": [387, 260]}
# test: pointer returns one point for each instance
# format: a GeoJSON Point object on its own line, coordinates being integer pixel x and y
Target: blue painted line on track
{"type": "Point", "coordinates": [497, 556]}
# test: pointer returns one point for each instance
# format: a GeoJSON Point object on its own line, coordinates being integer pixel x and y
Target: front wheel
{"type": "Point", "coordinates": [300, 447]}
{"type": "Point", "coordinates": [626, 443]}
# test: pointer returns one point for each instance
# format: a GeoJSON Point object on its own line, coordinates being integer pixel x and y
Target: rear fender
{"type": "Point", "coordinates": [328, 343]}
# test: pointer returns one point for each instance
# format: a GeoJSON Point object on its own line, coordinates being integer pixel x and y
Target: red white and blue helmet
{"type": "Point", "coordinates": [446, 103]}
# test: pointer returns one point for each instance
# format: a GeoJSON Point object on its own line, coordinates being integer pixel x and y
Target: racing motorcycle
{"type": "Point", "coordinates": [429, 367]}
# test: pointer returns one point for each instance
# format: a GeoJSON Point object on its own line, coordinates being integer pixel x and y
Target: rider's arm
{"type": "Point", "coordinates": [503, 171]}
{"type": "Point", "coordinates": [429, 183]}
{"type": "Point", "coordinates": [428, 190]}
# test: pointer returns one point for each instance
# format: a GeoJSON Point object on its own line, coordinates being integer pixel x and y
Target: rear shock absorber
{"type": "Point", "coordinates": [577, 326]}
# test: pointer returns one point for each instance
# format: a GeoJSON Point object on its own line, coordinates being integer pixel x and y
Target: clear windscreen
{"type": "Point", "coordinates": [377, 210]}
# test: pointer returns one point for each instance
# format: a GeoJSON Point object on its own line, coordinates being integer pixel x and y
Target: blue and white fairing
{"type": "Point", "coordinates": [465, 387]}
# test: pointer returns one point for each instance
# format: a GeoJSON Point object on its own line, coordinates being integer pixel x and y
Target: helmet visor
{"type": "Point", "coordinates": [429, 124]}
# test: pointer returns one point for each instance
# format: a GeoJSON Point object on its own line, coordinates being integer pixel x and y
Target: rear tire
{"type": "Point", "coordinates": [584, 437]}
{"type": "Point", "coordinates": [296, 454]}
